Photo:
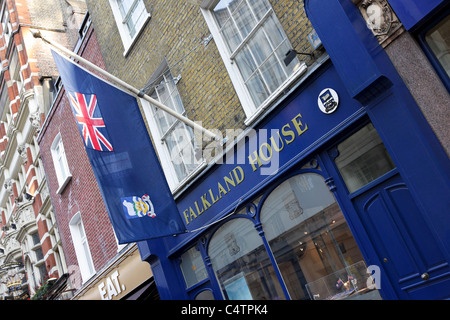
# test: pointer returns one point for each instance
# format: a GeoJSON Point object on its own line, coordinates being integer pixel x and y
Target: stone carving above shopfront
{"type": "Point", "coordinates": [381, 19]}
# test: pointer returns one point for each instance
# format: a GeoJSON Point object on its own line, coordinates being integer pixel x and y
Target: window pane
{"type": "Point", "coordinates": [35, 238]}
{"type": "Point", "coordinates": [133, 15]}
{"type": "Point", "coordinates": [161, 120]}
{"type": "Point", "coordinates": [176, 102]}
{"type": "Point", "coordinates": [311, 240]}
{"type": "Point", "coordinates": [363, 158]}
{"type": "Point", "coordinates": [177, 161]}
{"type": "Point", "coordinates": [187, 147]}
{"type": "Point", "coordinates": [193, 267]}
{"type": "Point", "coordinates": [138, 15]}
{"type": "Point", "coordinates": [259, 8]}
{"type": "Point", "coordinates": [42, 272]}
{"type": "Point", "coordinates": [260, 47]}
{"type": "Point", "coordinates": [178, 138]}
{"type": "Point", "coordinates": [205, 295]}
{"type": "Point", "coordinates": [81, 231]}
{"type": "Point", "coordinates": [257, 89]}
{"type": "Point", "coordinates": [59, 160]}
{"type": "Point", "coordinates": [181, 146]}
{"type": "Point", "coordinates": [62, 167]}
{"type": "Point", "coordinates": [251, 53]}
{"type": "Point", "coordinates": [39, 254]}
{"type": "Point", "coordinates": [125, 6]}
{"type": "Point", "coordinates": [246, 63]}
{"type": "Point", "coordinates": [244, 19]}
{"type": "Point", "coordinates": [163, 94]}
{"type": "Point", "coordinates": [274, 31]}
{"type": "Point", "coordinates": [241, 263]}
{"type": "Point", "coordinates": [221, 13]}
{"type": "Point", "coordinates": [231, 35]}
{"type": "Point", "coordinates": [272, 73]}
{"type": "Point", "coordinates": [87, 254]}
{"type": "Point", "coordinates": [438, 39]}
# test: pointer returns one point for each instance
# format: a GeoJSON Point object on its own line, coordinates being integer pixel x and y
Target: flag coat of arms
{"type": "Point", "coordinates": [133, 186]}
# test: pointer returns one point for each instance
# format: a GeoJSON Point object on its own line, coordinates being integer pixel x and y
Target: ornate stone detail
{"type": "Point", "coordinates": [22, 150]}
{"type": "Point", "coordinates": [24, 217]}
{"type": "Point", "coordinates": [380, 18]}
{"type": "Point", "coordinates": [35, 120]}
{"type": "Point", "coordinates": [11, 244]}
{"type": "Point", "coordinates": [9, 185]}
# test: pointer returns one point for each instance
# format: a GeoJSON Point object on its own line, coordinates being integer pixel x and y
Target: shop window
{"type": "Point", "coordinates": [311, 241]}
{"type": "Point", "coordinates": [205, 295]}
{"type": "Point", "coordinates": [192, 267]}
{"type": "Point", "coordinates": [436, 41]}
{"type": "Point", "coordinates": [241, 263]}
{"type": "Point", "coordinates": [253, 45]}
{"type": "Point", "coordinates": [362, 158]}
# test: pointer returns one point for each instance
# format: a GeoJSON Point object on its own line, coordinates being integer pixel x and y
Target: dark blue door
{"type": "Point", "coordinates": [405, 244]}
{"type": "Point", "coordinates": [397, 232]}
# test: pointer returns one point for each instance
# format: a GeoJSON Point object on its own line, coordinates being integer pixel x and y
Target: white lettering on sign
{"type": "Point", "coordinates": [111, 286]}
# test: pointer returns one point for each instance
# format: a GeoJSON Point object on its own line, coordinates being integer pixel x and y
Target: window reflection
{"type": "Point", "coordinates": [241, 263]}
{"type": "Point", "coordinates": [192, 267]}
{"type": "Point", "coordinates": [363, 158]}
{"type": "Point", "coordinates": [310, 238]}
{"type": "Point", "coordinates": [438, 38]}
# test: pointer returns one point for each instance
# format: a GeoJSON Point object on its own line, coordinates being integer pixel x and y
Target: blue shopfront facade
{"type": "Point", "coordinates": [314, 201]}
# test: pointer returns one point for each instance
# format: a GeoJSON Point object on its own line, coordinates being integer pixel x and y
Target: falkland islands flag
{"type": "Point", "coordinates": [139, 202]}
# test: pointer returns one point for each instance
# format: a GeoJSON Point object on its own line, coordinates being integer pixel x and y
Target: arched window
{"type": "Point", "coordinates": [310, 239]}
{"type": "Point", "coordinates": [204, 295]}
{"type": "Point", "coordinates": [296, 245]}
{"type": "Point", "coordinates": [241, 263]}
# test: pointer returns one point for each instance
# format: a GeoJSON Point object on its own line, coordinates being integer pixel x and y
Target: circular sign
{"type": "Point", "coordinates": [328, 101]}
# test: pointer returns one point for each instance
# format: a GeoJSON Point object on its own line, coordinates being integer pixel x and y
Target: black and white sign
{"type": "Point", "coordinates": [328, 101]}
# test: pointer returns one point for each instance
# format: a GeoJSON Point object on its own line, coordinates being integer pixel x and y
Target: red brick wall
{"type": "Point", "coordinates": [81, 194]}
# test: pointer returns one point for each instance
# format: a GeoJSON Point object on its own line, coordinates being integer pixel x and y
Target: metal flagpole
{"type": "Point", "coordinates": [134, 91]}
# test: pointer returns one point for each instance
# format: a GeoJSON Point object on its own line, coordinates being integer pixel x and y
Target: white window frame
{"type": "Point", "coordinates": [16, 70]}
{"type": "Point", "coordinates": [6, 24]}
{"type": "Point", "coordinates": [252, 111]}
{"type": "Point", "coordinates": [163, 152]}
{"type": "Point", "coordinates": [60, 159]}
{"type": "Point", "coordinates": [127, 40]}
{"type": "Point", "coordinates": [81, 246]}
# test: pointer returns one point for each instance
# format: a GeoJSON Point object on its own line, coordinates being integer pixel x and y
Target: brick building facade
{"type": "Point", "coordinates": [91, 249]}
{"type": "Point", "coordinates": [223, 63]}
{"type": "Point", "coordinates": [80, 195]}
{"type": "Point", "coordinates": [31, 250]}
{"type": "Point", "coordinates": [177, 32]}
{"type": "Point", "coordinates": [350, 114]}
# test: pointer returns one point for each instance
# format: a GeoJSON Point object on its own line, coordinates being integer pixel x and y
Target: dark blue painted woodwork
{"type": "Point", "coordinates": [401, 218]}
{"type": "Point", "coordinates": [413, 13]}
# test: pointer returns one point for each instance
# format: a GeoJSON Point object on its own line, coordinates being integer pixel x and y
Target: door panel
{"type": "Point", "coordinates": [411, 255]}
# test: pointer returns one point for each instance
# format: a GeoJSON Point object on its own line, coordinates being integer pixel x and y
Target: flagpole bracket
{"type": "Point", "coordinates": [36, 34]}
{"type": "Point", "coordinates": [141, 93]}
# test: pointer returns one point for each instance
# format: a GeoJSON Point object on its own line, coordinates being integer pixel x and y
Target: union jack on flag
{"type": "Point", "coordinates": [90, 121]}
{"type": "Point", "coordinates": [109, 117]}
